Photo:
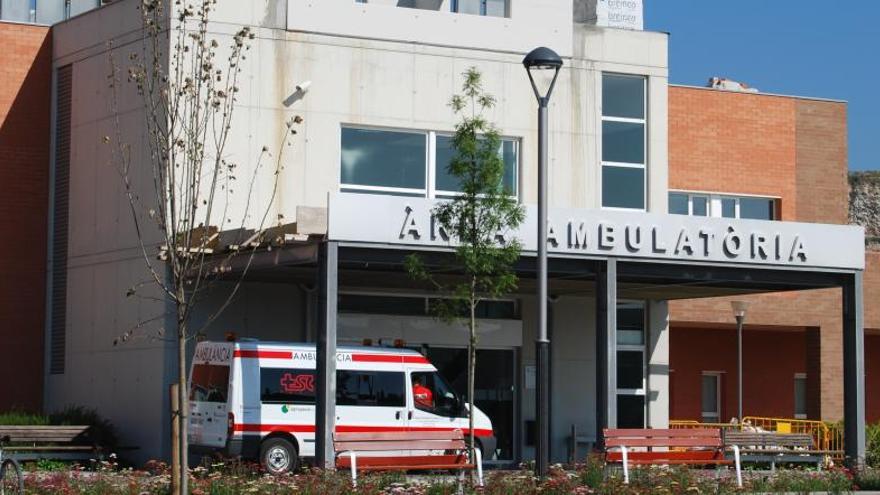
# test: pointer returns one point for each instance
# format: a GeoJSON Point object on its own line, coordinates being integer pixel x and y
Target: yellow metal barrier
{"type": "Point", "coordinates": [826, 437]}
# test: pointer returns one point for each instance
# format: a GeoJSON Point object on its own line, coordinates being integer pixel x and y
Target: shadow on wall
{"type": "Point", "coordinates": [24, 173]}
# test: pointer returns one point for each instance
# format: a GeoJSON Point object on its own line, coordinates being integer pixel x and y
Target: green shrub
{"type": "Point", "coordinates": [872, 445]}
{"type": "Point", "coordinates": [103, 432]}
{"type": "Point", "coordinates": [868, 479]}
{"type": "Point", "coordinates": [22, 418]}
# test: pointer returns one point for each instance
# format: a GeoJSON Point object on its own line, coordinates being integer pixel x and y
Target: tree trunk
{"type": "Point", "coordinates": [184, 407]}
{"type": "Point", "coordinates": [472, 367]}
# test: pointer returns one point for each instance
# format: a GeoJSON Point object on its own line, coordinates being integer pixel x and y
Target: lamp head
{"type": "Point", "coordinates": [739, 308]}
{"type": "Point", "coordinates": [542, 59]}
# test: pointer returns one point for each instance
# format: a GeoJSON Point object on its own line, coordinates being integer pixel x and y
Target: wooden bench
{"type": "Point", "coordinates": [771, 447]}
{"type": "Point", "coordinates": [433, 450]}
{"type": "Point", "coordinates": [30, 443]}
{"type": "Point", "coordinates": [699, 447]}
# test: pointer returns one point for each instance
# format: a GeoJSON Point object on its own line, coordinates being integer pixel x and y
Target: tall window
{"type": "Point", "coordinates": [716, 205]}
{"type": "Point", "coordinates": [711, 397]}
{"type": "Point", "coordinates": [800, 396]}
{"type": "Point", "coordinates": [409, 163]}
{"type": "Point", "coordinates": [623, 141]}
{"type": "Point", "coordinates": [631, 384]}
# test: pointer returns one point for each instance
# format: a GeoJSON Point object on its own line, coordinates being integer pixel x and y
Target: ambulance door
{"type": "Point", "coordinates": [434, 405]}
{"type": "Point", "coordinates": [209, 388]}
{"type": "Point", "coordinates": [370, 401]}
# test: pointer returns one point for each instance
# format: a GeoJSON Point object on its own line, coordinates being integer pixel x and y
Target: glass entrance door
{"type": "Point", "coordinates": [493, 389]}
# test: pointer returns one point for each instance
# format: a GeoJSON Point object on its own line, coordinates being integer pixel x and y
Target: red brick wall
{"type": "Point", "coordinates": [770, 360]}
{"type": "Point", "coordinates": [822, 184]}
{"type": "Point", "coordinates": [25, 80]}
{"type": "Point", "coordinates": [721, 141]}
{"type": "Point", "coordinates": [872, 378]}
{"type": "Point", "coordinates": [791, 148]}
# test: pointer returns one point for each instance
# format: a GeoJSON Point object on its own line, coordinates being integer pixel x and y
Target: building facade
{"type": "Point", "coordinates": [752, 155]}
{"type": "Point", "coordinates": [359, 183]}
{"type": "Point", "coordinates": [25, 103]}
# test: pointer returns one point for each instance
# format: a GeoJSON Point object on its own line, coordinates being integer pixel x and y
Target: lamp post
{"type": "Point", "coordinates": [542, 59]}
{"type": "Point", "coordinates": [739, 312]}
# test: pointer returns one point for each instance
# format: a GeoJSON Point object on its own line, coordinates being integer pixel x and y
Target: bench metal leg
{"type": "Point", "coordinates": [625, 465]}
{"type": "Point", "coordinates": [353, 457]}
{"type": "Point", "coordinates": [479, 455]}
{"type": "Point", "coordinates": [736, 458]}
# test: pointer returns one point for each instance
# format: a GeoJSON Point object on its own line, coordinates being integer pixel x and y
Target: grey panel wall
{"type": "Point", "coordinates": [15, 10]}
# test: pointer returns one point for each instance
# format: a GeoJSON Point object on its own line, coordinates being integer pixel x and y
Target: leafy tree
{"type": "Point", "coordinates": [478, 219]}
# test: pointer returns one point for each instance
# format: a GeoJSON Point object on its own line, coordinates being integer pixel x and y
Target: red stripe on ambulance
{"type": "Point", "coordinates": [388, 358]}
{"type": "Point", "coordinates": [263, 428]}
{"type": "Point", "coordinates": [263, 354]}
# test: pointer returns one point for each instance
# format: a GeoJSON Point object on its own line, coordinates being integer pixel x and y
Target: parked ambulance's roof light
{"type": "Point", "coordinates": [231, 337]}
{"type": "Point", "coordinates": [739, 308]}
{"type": "Point", "coordinates": [368, 342]}
{"type": "Point", "coordinates": [399, 343]}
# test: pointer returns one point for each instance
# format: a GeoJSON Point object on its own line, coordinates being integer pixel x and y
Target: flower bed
{"type": "Point", "coordinates": [583, 479]}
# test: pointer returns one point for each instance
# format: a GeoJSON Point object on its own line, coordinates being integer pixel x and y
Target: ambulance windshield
{"type": "Point", "coordinates": [210, 383]}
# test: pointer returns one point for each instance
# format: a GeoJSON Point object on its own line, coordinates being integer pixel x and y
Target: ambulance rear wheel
{"type": "Point", "coordinates": [279, 456]}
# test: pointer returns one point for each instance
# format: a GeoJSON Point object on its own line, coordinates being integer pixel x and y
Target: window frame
{"type": "Point", "coordinates": [708, 414]}
{"type": "Point", "coordinates": [484, 9]}
{"type": "Point", "coordinates": [715, 204]}
{"type": "Point", "coordinates": [642, 348]}
{"type": "Point", "coordinates": [430, 190]}
{"type": "Point", "coordinates": [644, 122]}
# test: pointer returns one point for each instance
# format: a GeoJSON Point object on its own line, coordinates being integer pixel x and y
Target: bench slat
{"type": "Point", "coordinates": [407, 462]}
{"type": "Point", "coordinates": [398, 435]}
{"type": "Point", "coordinates": [379, 446]}
{"type": "Point", "coordinates": [663, 442]}
{"type": "Point", "coordinates": [47, 448]}
{"type": "Point", "coordinates": [695, 455]}
{"type": "Point", "coordinates": [660, 432]}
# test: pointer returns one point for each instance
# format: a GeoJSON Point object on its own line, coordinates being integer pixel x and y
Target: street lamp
{"type": "Point", "coordinates": [739, 312]}
{"type": "Point", "coordinates": [540, 60]}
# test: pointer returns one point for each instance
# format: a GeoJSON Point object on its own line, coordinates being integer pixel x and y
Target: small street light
{"type": "Point", "coordinates": [537, 61]}
{"type": "Point", "coordinates": [739, 312]}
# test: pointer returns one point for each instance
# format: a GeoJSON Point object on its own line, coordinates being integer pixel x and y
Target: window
{"type": "Point", "coordinates": [715, 205]}
{"type": "Point", "coordinates": [631, 382]}
{"type": "Point", "coordinates": [431, 393]}
{"type": "Point", "coordinates": [370, 388]}
{"type": "Point", "coordinates": [409, 163]}
{"type": "Point", "coordinates": [210, 383]}
{"type": "Point", "coordinates": [800, 396]}
{"type": "Point", "coordinates": [491, 8]}
{"type": "Point", "coordinates": [623, 141]}
{"type": "Point", "coordinates": [287, 386]}
{"type": "Point", "coordinates": [711, 397]}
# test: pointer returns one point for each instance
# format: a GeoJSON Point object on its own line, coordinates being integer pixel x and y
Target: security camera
{"type": "Point", "coordinates": [303, 86]}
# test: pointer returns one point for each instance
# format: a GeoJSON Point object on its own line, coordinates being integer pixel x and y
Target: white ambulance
{"type": "Point", "coordinates": [257, 399]}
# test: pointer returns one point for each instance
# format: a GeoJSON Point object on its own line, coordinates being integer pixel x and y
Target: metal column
{"type": "Point", "coordinates": [542, 344]}
{"type": "Point", "coordinates": [606, 347]}
{"type": "Point", "coordinates": [325, 412]}
{"type": "Point", "coordinates": [853, 372]}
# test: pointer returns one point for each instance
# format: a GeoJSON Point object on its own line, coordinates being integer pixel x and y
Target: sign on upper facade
{"type": "Point", "coordinates": [625, 14]}
{"type": "Point", "coordinates": [379, 219]}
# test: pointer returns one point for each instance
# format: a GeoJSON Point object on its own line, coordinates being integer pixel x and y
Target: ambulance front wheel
{"type": "Point", "coordinates": [279, 456]}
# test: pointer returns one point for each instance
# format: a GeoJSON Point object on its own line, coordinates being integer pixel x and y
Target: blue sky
{"type": "Point", "coordinates": [813, 48]}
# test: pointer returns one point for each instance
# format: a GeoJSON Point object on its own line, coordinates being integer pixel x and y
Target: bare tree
{"type": "Point", "coordinates": [188, 79]}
